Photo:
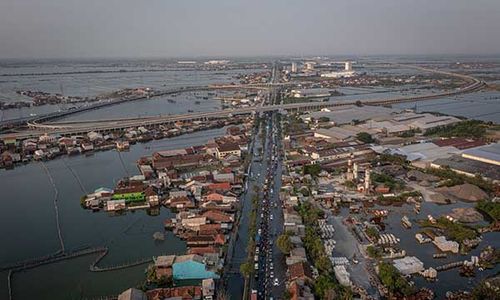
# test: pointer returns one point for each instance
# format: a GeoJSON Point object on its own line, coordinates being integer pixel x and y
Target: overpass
{"type": "Point", "coordinates": [40, 127]}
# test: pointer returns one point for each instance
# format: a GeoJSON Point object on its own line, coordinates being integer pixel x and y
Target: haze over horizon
{"type": "Point", "coordinates": [167, 28]}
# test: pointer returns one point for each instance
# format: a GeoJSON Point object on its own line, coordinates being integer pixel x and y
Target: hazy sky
{"type": "Point", "coordinates": [165, 28]}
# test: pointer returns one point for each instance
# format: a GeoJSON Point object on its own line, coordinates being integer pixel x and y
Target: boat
{"type": "Point", "coordinates": [406, 222]}
{"type": "Point", "coordinates": [197, 102]}
{"type": "Point", "coordinates": [417, 207]}
{"type": "Point", "coordinates": [439, 255]}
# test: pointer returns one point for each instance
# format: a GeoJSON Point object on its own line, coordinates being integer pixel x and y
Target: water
{"type": "Point", "coordinates": [27, 220]}
{"type": "Point", "coordinates": [447, 280]}
{"type": "Point", "coordinates": [92, 78]}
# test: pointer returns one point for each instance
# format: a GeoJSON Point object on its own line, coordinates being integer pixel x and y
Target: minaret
{"type": "Point", "coordinates": [367, 179]}
{"type": "Point", "coordinates": [355, 171]}
{"type": "Point", "coordinates": [349, 175]}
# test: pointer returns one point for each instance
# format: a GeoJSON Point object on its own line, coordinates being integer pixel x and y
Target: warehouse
{"type": "Point", "coordinates": [489, 154]}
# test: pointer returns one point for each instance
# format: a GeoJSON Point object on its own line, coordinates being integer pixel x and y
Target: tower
{"type": "Point", "coordinates": [367, 179]}
{"type": "Point", "coordinates": [355, 171]}
{"type": "Point", "coordinates": [349, 174]}
{"type": "Point", "coordinates": [294, 67]}
{"type": "Point", "coordinates": [348, 66]}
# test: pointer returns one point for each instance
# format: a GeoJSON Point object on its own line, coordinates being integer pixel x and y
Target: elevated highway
{"type": "Point", "coordinates": [39, 127]}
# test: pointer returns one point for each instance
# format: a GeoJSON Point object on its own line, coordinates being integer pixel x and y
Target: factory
{"type": "Point", "coordinates": [346, 73]}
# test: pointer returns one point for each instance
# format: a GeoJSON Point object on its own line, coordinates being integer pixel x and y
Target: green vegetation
{"type": "Point", "coordinates": [410, 133]}
{"type": "Point", "coordinates": [325, 287]}
{"type": "Point", "coordinates": [82, 201]}
{"type": "Point", "coordinates": [350, 184]}
{"type": "Point", "coordinates": [129, 197]}
{"type": "Point", "coordinates": [393, 280]}
{"type": "Point", "coordinates": [492, 209]}
{"type": "Point", "coordinates": [365, 137]}
{"type": "Point", "coordinates": [391, 159]}
{"type": "Point", "coordinates": [389, 181]}
{"type": "Point", "coordinates": [454, 231]}
{"type": "Point", "coordinates": [398, 198]}
{"type": "Point", "coordinates": [312, 170]}
{"type": "Point", "coordinates": [467, 128]}
{"type": "Point", "coordinates": [373, 233]}
{"type": "Point", "coordinates": [246, 269]}
{"type": "Point", "coordinates": [284, 244]}
{"type": "Point", "coordinates": [455, 178]}
{"type": "Point", "coordinates": [374, 252]}
{"type": "Point", "coordinates": [294, 124]}
{"type": "Point", "coordinates": [486, 289]}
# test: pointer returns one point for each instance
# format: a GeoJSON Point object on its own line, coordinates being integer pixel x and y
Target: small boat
{"type": "Point", "coordinates": [406, 222]}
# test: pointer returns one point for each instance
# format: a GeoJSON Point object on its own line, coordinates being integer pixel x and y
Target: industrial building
{"type": "Point", "coordinates": [489, 154]}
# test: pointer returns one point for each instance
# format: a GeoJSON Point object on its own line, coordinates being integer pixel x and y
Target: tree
{"type": "Point", "coordinates": [284, 244]}
{"type": "Point", "coordinates": [365, 137]}
{"type": "Point", "coordinates": [312, 170]}
{"type": "Point", "coordinates": [246, 269]}
{"type": "Point", "coordinates": [393, 280]}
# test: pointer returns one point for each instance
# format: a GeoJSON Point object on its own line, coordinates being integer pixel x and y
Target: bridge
{"type": "Point", "coordinates": [40, 126]}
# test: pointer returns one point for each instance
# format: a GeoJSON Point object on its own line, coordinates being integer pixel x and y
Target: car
{"type": "Point", "coordinates": [276, 282]}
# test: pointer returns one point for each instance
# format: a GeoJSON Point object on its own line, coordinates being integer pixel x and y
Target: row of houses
{"type": "Point", "coordinates": [14, 151]}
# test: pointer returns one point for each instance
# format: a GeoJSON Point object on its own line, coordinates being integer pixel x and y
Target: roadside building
{"type": "Point", "coordinates": [224, 150]}
{"type": "Point", "coordinates": [342, 275]}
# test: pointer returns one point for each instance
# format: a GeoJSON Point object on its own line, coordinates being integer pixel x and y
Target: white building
{"type": "Point", "coordinates": [445, 245]}
{"type": "Point", "coordinates": [408, 265]}
{"type": "Point", "coordinates": [342, 275]}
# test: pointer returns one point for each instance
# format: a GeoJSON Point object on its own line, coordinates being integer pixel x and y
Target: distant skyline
{"type": "Point", "coordinates": [231, 28]}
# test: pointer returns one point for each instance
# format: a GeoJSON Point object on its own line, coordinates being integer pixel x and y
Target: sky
{"type": "Point", "coordinates": [222, 28]}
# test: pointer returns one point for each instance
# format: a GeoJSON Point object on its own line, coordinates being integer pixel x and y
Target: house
{"type": "Point", "coordinates": [226, 149]}
{"type": "Point", "coordinates": [219, 187]}
{"type": "Point", "coordinates": [300, 270]}
{"type": "Point", "coordinates": [181, 203]}
{"type": "Point", "coordinates": [224, 177]}
{"type": "Point", "coordinates": [115, 205]}
{"type": "Point", "coordinates": [217, 217]}
{"type": "Point", "coordinates": [191, 267]}
{"type": "Point", "coordinates": [204, 250]}
{"type": "Point", "coordinates": [194, 223]}
{"type": "Point", "coordinates": [208, 288]}
{"type": "Point", "coordinates": [176, 293]}
{"type": "Point", "coordinates": [132, 294]}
